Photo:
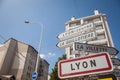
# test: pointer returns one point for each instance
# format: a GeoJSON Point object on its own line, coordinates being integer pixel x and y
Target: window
{"type": "Point", "coordinates": [101, 37]}
{"type": "Point", "coordinates": [99, 27]}
{"type": "Point", "coordinates": [72, 24]}
{"type": "Point", "coordinates": [85, 22]}
{"type": "Point", "coordinates": [96, 19]}
{"type": "Point", "coordinates": [71, 51]}
{"type": "Point", "coordinates": [28, 74]}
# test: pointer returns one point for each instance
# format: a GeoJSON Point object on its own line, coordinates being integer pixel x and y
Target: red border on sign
{"type": "Point", "coordinates": [88, 71]}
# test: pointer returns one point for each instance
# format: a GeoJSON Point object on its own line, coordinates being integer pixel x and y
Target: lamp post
{"type": "Point", "coordinates": [39, 47]}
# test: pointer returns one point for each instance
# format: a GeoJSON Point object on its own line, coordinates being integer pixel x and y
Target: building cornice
{"type": "Point", "coordinates": [84, 18]}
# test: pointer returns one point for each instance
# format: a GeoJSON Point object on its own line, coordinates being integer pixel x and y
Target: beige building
{"type": "Point", "coordinates": [43, 69]}
{"type": "Point", "coordinates": [92, 29]}
{"type": "Point", "coordinates": [17, 59]}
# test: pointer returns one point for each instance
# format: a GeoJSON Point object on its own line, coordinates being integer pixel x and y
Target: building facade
{"type": "Point", "coordinates": [17, 59]}
{"type": "Point", "coordinates": [43, 69]}
{"type": "Point", "coordinates": [92, 29]}
{"type": "Point", "coordinates": [95, 30]}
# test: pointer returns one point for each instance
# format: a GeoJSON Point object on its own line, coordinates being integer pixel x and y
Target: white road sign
{"type": "Point", "coordinates": [94, 48]}
{"type": "Point", "coordinates": [75, 32]}
{"type": "Point", "coordinates": [92, 64]}
{"type": "Point", "coordinates": [80, 38]}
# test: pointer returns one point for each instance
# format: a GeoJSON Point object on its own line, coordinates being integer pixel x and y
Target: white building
{"type": "Point", "coordinates": [92, 29]}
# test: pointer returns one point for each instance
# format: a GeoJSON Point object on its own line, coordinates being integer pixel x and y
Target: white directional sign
{"type": "Point", "coordinates": [84, 37]}
{"type": "Point", "coordinates": [75, 32]}
{"type": "Point", "coordinates": [94, 48]}
{"type": "Point", "coordinates": [116, 61]}
{"type": "Point", "coordinates": [92, 64]}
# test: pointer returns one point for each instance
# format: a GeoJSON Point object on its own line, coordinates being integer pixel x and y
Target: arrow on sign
{"type": "Point", "coordinates": [116, 61]}
{"type": "Point", "coordinates": [34, 75]}
{"type": "Point", "coordinates": [94, 48]}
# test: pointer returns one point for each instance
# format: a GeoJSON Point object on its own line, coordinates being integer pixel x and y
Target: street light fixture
{"type": "Point", "coordinates": [39, 47]}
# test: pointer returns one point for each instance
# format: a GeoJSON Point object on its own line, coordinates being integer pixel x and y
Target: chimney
{"type": "Point", "coordinates": [96, 12]}
{"type": "Point", "coordinates": [72, 18]}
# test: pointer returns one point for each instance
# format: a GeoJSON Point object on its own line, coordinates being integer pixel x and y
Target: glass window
{"type": "Point", "coordinates": [71, 51]}
{"type": "Point", "coordinates": [97, 19]}
{"type": "Point", "coordinates": [72, 24]}
{"type": "Point", "coordinates": [99, 27]}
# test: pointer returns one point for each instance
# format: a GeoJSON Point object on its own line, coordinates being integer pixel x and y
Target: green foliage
{"type": "Point", "coordinates": [54, 73]}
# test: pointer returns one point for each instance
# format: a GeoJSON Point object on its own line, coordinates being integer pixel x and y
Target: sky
{"type": "Point", "coordinates": [52, 14]}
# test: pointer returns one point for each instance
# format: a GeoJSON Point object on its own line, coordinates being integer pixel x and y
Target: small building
{"type": "Point", "coordinates": [43, 69]}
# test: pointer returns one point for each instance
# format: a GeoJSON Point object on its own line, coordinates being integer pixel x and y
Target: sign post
{"type": "Point", "coordinates": [85, 65]}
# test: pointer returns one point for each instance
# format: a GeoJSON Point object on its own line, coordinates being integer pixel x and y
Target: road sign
{"type": "Point", "coordinates": [76, 31]}
{"type": "Point", "coordinates": [116, 61]}
{"type": "Point", "coordinates": [92, 64]}
{"type": "Point", "coordinates": [94, 48]}
{"type": "Point", "coordinates": [34, 75]}
{"type": "Point", "coordinates": [116, 72]}
{"type": "Point", "coordinates": [80, 38]}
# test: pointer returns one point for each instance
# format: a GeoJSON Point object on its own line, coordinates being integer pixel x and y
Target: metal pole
{"type": "Point", "coordinates": [40, 42]}
{"type": "Point", "coordinates": [39, 46]}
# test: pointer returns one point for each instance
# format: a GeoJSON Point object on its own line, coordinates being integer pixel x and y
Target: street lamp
{"type": "Point", "coordinates": [39, 47]}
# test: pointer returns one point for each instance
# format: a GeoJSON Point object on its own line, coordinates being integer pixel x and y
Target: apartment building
{"type": "Point", "coordinates": [92, 29]}
{"type": "Point", "coordinates": [18, 60]}
{"type": "Point", "coordinates": [43, 69]}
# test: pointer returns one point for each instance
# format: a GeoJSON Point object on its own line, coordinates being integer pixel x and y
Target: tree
{"type": "Point", "coordinates": [54, 73]}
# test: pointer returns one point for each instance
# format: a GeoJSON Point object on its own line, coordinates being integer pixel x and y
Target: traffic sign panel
{"type": "Point", "coordinates": [34, 75]}
{"type": "Point", "coordinates": [85, 65]}
{"type": "Point", "coordinates": [69, 42]}
{"type": "Point", "coordinates": [94, 48]}
{"type": "Point", "coordinates": [75, 32]}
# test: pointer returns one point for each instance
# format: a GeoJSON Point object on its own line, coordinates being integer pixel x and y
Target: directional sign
{"type": "Point", "coordinates": [116, 72]}
{"type": "Point", "coordinates": [116, 61]}
{"type": "Point", "coordinates": [85, 65]}
{"type": "Point", "coordinates": [94, 48]}
{"type": "Point", "coordinates": [80, 38]}
{"type": "Point", "coordinates": [34, 75]}
{"type": "Point", "coordinates": [75, 32]}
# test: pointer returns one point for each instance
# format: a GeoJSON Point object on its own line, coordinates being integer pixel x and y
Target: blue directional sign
{"type": "Point", "coordinates": [34, 75]}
